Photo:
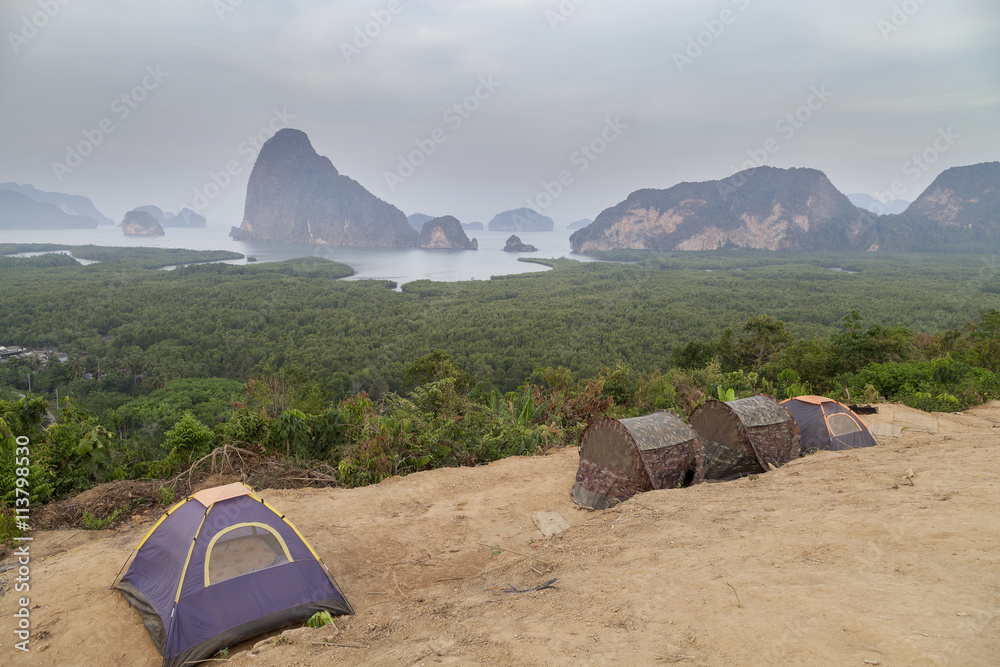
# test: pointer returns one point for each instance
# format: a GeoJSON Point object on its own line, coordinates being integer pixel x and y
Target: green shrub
{"type": "Point", "coordinates": [189, 440]}
{"type": "Point", "coordinates": [94, 523]}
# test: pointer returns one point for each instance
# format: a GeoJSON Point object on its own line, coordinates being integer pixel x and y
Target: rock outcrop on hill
{"type": "Point", "coordinates": [295, 195]}
{"type": "Point", "coordinates": [514, 244]}
{"type": "Point", "coordinates": [521, 220]}
{"type": "Point", "coordinates": [764, 207]}
{"type": "Point", "coordinates": [18, 211]}
{"type": "Point", "coordinates": [445, 232]}
{"type": "Point", "coordinates": [69, 204]}
{"type": "Point", "coordinates": [961, 206]}
{"type": "Point", "coordinates": [141, 223]}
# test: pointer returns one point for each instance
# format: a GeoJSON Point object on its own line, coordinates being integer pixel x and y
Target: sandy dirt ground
{"type": "Point", "coordinates": [882, 556]}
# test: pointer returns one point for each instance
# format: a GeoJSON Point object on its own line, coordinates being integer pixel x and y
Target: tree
{"type": "Point", "coordinates": [434, 367]}
{"type": "Point", "coordinates": [78, 449]}
{"type": "Point", "coordinates": [763, 338]}
{"type": "Point", "coordinates": [189, 440]}
{"type": "Point", "coordinates": [986, 339]}
{"type": "Point", "coordinates": [855, 349]}
{"type": "Point", "coordinates": [292, 429]}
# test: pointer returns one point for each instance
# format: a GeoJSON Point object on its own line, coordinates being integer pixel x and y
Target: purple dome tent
{"type": "Point", "coordinates": [220, 567]}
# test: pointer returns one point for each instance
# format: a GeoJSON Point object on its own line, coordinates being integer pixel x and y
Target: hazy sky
{"type": "Point", "coordinates": [470, 107]}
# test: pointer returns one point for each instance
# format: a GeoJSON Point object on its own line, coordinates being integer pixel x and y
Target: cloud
{"type": "Point", "coordinates": [561, 78]}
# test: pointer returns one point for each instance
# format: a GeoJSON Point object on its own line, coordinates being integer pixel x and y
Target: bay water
{"type": "Point", "coordinates": [401, 265]}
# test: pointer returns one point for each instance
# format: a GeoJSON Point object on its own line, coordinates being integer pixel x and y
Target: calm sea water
{"type": "Point", "coordinates": [402, 265]}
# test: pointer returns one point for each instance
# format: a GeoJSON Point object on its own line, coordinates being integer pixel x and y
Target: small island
{"type": "Point", "coordinates": [514, 245]}
{"type": "Point", "coordinates": [445, 232]}
{"type": "Point", "coordinates": [141, 223]}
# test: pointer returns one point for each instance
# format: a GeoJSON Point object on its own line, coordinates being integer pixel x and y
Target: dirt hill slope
{"type": "Point", "coordinates": [836, 559]}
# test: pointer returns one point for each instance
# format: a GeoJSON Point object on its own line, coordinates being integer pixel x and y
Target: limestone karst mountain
{"type": "Point", "coordinates": [295, 195]}
{"type": "Point", "coordinates": [961, 206]}
{"type": "Point", "coordinates": [798, 209]}
{"type": "Point", "coordinates": [764, 207]}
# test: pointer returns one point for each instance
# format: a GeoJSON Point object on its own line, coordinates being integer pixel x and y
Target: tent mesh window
{"type": "Point", "coordinates": [243, 549]}
{"type": "Point", "coordinates": [841, 424]}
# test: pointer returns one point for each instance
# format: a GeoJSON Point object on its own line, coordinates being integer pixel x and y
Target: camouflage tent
{"type": "Point", "coordinates": [750, 435]}
{"type": "Point", "coordinates": [622, 457]}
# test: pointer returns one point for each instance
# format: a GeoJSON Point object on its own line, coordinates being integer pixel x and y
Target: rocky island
{"type": "Point", "coordinates": [141, 223]}
{"type": "Point", "coordinates": [445, 232]}
{"type": "Point", "coordinates": [295, 195]}
{"type": "Point", "coordinates": [514, 244]}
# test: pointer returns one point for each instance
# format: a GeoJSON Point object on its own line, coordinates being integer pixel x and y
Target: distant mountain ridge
{"type": "Point", "coordinates": [521, 220]}
{"type": "Point", "coordinates": [68, 204]}
{"type": "Point", "coordinates": [876, 206]}
{"type": "Point", "coordinates": [295, 195]}
{"type": "Point", "coordinates": [186, 218]}
{"type": "Point", "coordinates": [18, 211]}
{"type": "Point", "coordinates": [797, 209]}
